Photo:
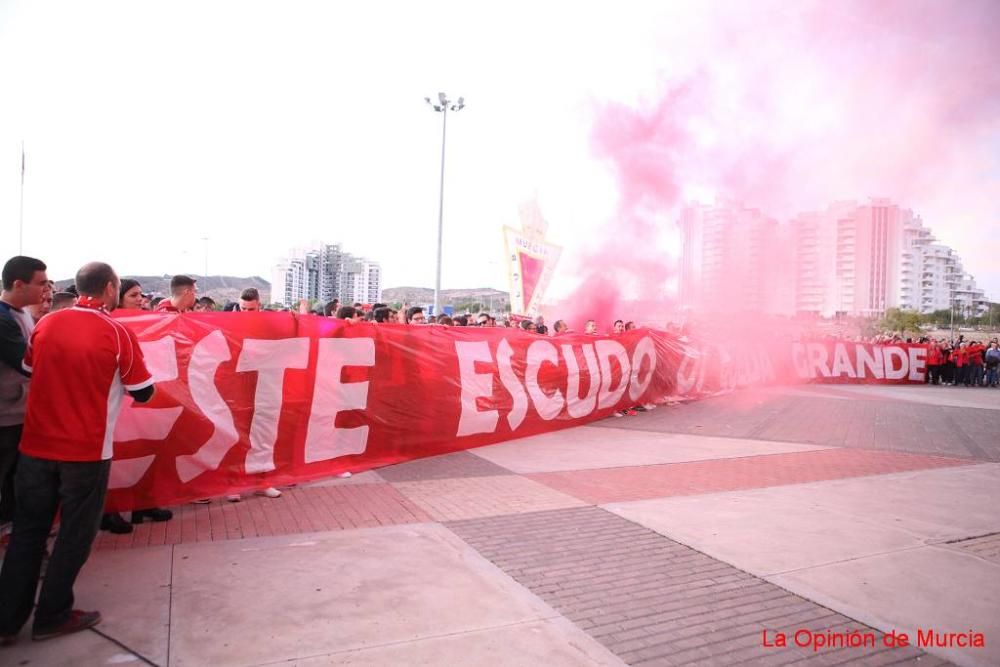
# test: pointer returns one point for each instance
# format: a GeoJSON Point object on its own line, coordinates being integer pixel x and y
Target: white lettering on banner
{"type": "Point", "coordinates": [891, 372]}
{"type": "Point", "coordinates": [918, 363]}
{"type": "Point", "coordinates": [513, 386]}
{"type": "Point", "coordinates": [548, 405]}
{"type": "Point", "coordinates": [841, 363]}
{"type": "Point", "coordinates": [270, 359]}
{"type": "Point", "coordinates": [869, 363]}
{"type": "Point", "coordinates": [888, 362]}
{"type": "Point", "coordinates": [206, 357]}
{"type": "Point", "coordinates": [143, 423]}
{"type": "Point", "coordinates": [817, 355]}
{"type": "Point", "coordinates": [539, 352]}
{"type": "Point", "coordinates": [644, 349]}
{"type": "Point", "coordinates": [690, 372]}
{"type": "Point", "coordinates": [474, 386]}
{"type": "Point", "coordinates": [799, 360]}
{"type": "Point", "coordinates": [606, 349]}
{"type": "Point", "coordinates": [332, 396]}
{"type": "Point", "coordinates": [581, 407]}
{"type": "Point", "coordinates": [135, 423]}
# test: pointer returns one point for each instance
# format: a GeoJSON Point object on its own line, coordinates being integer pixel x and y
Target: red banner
{"type": "Point", "coordinates": [843, 362]}
{"type": "Point", "coordinates": [249, 400]}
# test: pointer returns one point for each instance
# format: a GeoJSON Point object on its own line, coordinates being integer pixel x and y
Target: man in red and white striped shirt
{"type": "Point", "coordinates": [81, 362]}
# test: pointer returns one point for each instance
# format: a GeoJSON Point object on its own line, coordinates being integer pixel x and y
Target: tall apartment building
{"type": "Point", "coordinates": [855, 260]}
{"type": "Point", "coordinates": [728, 260]}
{"type": "Point", "coordinates": [325, 272]}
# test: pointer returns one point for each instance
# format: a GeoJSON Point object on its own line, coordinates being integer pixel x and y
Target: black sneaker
{"type": "Point", "coordinates": [116, 524]}
{"type": "Point", "coordinates": [78, 620]}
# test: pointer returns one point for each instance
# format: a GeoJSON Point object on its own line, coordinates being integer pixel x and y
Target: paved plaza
{"type": "Point", "coordinates": [698, 533]}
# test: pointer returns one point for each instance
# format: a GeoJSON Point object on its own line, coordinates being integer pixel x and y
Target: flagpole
{"type": "Point", "coordinates": [20, 243]}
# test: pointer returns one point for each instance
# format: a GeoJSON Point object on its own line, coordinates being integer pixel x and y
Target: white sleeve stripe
{"type": "Point", "coordinates": [25, 366]}
{"type": "Point", "coordinates": [118, 327]}
{"type": "Point", "coordinates": [141, 385]}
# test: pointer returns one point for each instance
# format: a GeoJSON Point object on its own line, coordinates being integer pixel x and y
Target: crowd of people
{"type": "Point", "coordinates": [65, 347]}
{"type": "Point", "coordinates": [962, 363]}
{"type": "Point", "coordinates": [66, 368]}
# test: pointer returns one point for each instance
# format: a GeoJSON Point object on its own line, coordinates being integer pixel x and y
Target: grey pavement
{"type": "Point", "coordinates": [821, 509]}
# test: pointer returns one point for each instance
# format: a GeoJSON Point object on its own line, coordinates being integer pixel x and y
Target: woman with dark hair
{"type": "Point", "coordinates": [130, 298]}
{"type": "Point", "coordinates": [130, 295]}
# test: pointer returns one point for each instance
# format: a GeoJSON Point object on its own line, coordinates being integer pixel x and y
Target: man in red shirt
{"type": "Point", "coordinates": [975, 371]}
{"type": "Point", "coordinates": [183, 295]}
{"type": "Point", "coordinates": [82, 362]}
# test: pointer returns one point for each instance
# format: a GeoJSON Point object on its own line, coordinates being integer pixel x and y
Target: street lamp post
{"type": "Point", "coordinates": [443, 106]}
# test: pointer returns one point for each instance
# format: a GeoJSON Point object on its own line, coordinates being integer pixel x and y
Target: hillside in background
{"type": "Point", "coordinates": [220, 288]}
{"type": "Point", "coordinates": [486, 296]}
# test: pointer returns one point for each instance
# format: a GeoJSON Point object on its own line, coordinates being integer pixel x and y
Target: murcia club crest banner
{"type": "Point", "coordinates": [531, 261]}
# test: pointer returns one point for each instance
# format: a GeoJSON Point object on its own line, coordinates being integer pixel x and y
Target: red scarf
{"type": "Point", "coordinates": [91, 302]}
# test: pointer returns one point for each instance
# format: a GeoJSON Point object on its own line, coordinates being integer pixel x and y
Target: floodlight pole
{"type": "Point", "coordinates": [443, 106]}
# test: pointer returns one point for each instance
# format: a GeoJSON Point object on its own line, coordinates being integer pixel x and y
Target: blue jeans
{"type": "Point", "coordinates": [41, 488]}
{"type": "Point", "coordinates": [992, 376]}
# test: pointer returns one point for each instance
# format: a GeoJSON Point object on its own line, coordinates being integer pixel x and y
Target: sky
{"type": "Point", "coordinates": [161, 136]}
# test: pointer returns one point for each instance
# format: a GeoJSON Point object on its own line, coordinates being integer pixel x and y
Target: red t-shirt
{"type": "Point", "coordinates": [166, 306]}
{"type": "Point", "coordinates": [976, 354]}
{"type": "Point", "coordinates": [934, 356]}
{"type": "Point", "coordinates": [81, 363]}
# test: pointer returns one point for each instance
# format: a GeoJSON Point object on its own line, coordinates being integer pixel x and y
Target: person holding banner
{"type": "Point", "coordinates": [83, 357]}
{"type": "Point", "coordinates": [130, 298]}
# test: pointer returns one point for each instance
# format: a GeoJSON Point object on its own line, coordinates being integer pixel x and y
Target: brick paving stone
{"type": "Point", "coordinates": [661, 603]}
{"type": "Point", "coordinates": [984, 546]}
{"type": "Point", "coordinates": [298, 510]}
{"type": "Point", "coordinates": [696, 477]}
{"type": "Point", "coordinates": [471, 497]}
{"type": "Point", "coordinates": [445, 466]}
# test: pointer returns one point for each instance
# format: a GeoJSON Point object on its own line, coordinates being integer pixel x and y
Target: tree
{"type": "Point", "coordinates": [901, 320]}
{"type": "Point", "coordinates": [941, 318]}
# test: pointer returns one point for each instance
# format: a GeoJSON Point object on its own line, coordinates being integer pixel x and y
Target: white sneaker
{"type": "Point", "coordinates": [234, 498]}
{"type": "Point", "coordinates": [270, 492]}
{"type": "Point", "coordinates": [345, 474]}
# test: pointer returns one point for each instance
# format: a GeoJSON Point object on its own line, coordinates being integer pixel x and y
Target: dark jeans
{"type": "Point", "coordinates": [77, 491]}
{"type": "Point", "coordinates": [934, 374]}
{"type": "Point", "coordinates": [10, 438]}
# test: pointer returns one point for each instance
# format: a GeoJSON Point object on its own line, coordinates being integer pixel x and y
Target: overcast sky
{"type": "Point", "coordinates": [150, 126]}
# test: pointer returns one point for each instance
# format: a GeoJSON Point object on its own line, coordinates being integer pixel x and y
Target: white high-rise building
{"type": "Point", "coordinates": [728, 261]}
{"type": "Point", "coordinates": [853, 260]}
{"type": "Point", "coordinates": [325, 272]}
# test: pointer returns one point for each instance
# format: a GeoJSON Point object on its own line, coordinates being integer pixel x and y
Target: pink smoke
{"type": "Point", "coordinates": [788, 107]}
